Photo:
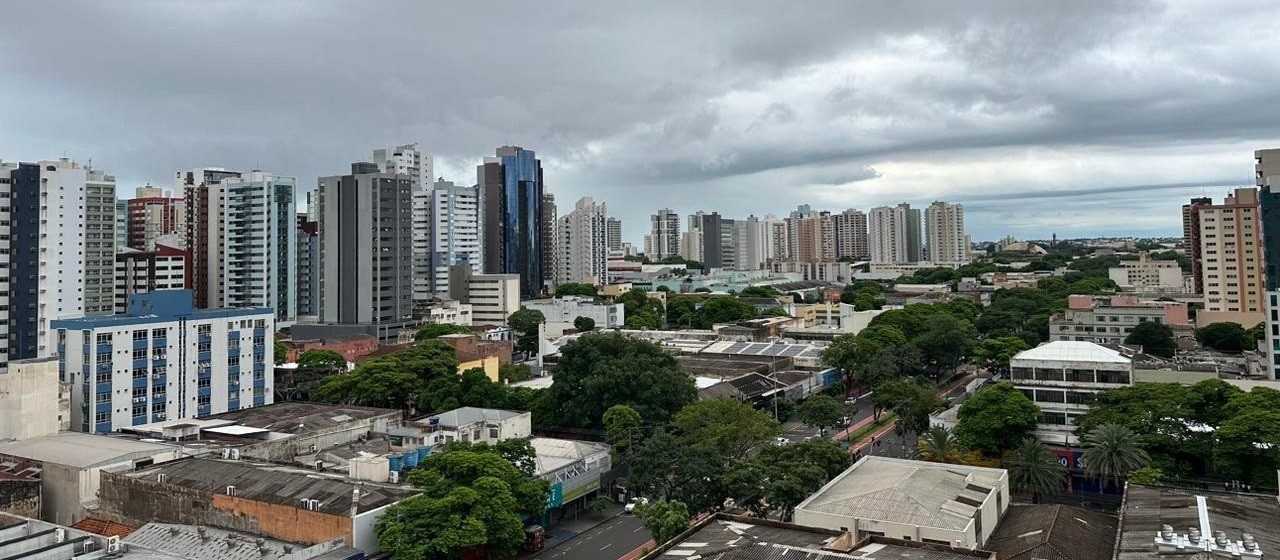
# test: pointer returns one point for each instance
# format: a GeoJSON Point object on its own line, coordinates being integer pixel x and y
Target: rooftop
{"type": "Point", "coordinates": [188, 542]}
{"type": "Point", "coordinates": [275, 484]}
{"type": "Point", "coordinates": [907, 492]}
{"type": "Point", "coordinates": [470, 415]}
{"type": "Point", "coordinates": [778, 348]}
{"type": "Point", "coordinates": [155, 307]}
{"type": "Point", "coordinates": [729, 537]}
{"type": "Point", "coordinates": [1073, 351]}
{"type": "Point", "coordinates": [554, 454]}
{"type": "Point", "coordinates": [75, 449]}
{"type": "Point", "coordinates": [298, 417]}
{"type": "Point", "coordinates": [1147, 508]}
{"type": "Point", "coordinates": [1054, 532]}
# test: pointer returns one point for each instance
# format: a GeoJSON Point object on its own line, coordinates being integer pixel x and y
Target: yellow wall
{"type": "Point", "coordinates": [489, 365]}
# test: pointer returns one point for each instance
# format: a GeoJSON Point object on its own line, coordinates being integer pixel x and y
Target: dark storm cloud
{"type": "Point", "coordinates": [740, 107]}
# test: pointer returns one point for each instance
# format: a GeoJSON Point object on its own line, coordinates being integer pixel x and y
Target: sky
{"type": "Point", "coordinates": [1078, 118]}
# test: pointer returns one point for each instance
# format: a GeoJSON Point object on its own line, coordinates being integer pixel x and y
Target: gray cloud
{"type": "Point", "coordinates": [742, 107]}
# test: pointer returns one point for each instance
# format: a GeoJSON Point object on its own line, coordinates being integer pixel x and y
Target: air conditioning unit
{"type": "Point", "coordinates": [395, 477]}
{"type": "Point", "coordinates": [235, 454]}
{"type": "Point", "coordinates": [113, 545]}
{"type": "Point", "coordinates": [231, 490]}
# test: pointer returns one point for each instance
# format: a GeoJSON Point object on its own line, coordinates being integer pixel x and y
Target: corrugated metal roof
{"type": "Point", "coordinates": [1072, 351]}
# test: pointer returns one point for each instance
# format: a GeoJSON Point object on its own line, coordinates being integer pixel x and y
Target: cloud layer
{"type": "Point", "coordinates": [1087, 117]}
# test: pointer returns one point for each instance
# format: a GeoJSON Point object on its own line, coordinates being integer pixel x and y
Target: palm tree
{"type": "Point", "coordinates": [939, 445]}
{"type": "Point", "coordinates": [1033, 469]}
{"type": "Point", "coordinates": [1112, 453]}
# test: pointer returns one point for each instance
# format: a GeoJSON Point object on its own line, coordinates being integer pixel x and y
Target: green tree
{"type": "Point", "coordinates": [940, 445]}
{"type": "Point", "coordinates": [1256, 333]}
{"type": "Point", "coordinates": [1155, 338]}
{"type": "Point", "coordinates": [665, 520]}
{"type": "Point", "coordinates": [599, 505]}
{"type": "Point", "coordinates": [1248, 440]}
{"type": "Point", "coordinates": [821, 411]}
{"type": "Point", "coordinates": [525, 323]}
{"type": "Point", "coordinates": [946, 341]}
{"type": "Point", "coordinates": [782, 408]}
{"type": "Point", "coordinates": [994, 354]}
{"type": "Point", "coordinates": [374, 383]}
{"type": "Point", "coordinates": [722, 310]}
{"type": "Point", "coordinates": [1112, 453]}
{"type": "Point", "coordinates": [1224, 337]}
{"type": "Point", "coordinates": [437, 330]}
{"type": "Point", "coordinates": [621, 423]}
{"type": "Point", "coordinates": [996, 418]}
{"type": "Point", "coordinates": [599, 370]}
{"type": "Point", "coordinates": [514, 373]}
{"type": "Point", "coordinates": [911, 399]}
{"type": "Point", "coordinates": [1034, 470]}
{"type": "Point", "coordinates": [576, 289]}
{"type": "Point", "coordinates": [1147, 476]}
{"type": "Point", "coordinates": [320, 360]}
{"type": "Point", "coordinates": [759, 291]}
{"type": "Point", "coordinates": [665, 467]}
{"type": "Point", "coordinates": [280, 352]}
{"type": "Point", "coordinates": [731, 428]}
{"type": "Point", "coordinates": [584, 324]}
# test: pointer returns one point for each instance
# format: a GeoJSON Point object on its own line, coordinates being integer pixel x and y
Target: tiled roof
{"type": "Point", "coordinates": [1054, 532]}
{"type": "Point", "coordinates": [103, 527]}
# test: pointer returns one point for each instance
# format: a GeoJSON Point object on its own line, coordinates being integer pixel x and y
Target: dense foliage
{"type": "Point", "coordinates": [1154, 338]}
{"type": "Point", "coordinates": [996, 418]}
{"type": "Point", "coordinates": [525, 323]}
{"type": "Point", "coordinates": [602, 369]}
{"type": "Point", "coordinates": [437, 330]}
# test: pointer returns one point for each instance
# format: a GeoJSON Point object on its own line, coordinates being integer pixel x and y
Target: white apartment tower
{"type": "Point", "coordinates": [418, 165]}
{"type": "Point", "coordinates": [455, 232]}
{"type": "Point", "coordinates": [893, 233]}
{"type": "Point", "coordinates": [664, 235]}
{"type": "Point", "coordinates": [60, 243]}
{"type": "Point", "coordinates": [851, 235]}
{"type": "Point", "coordinates": [582, 244]}
{"type": "Point", "coordinates": [944, 234]}
{"type": "Point", "coordinates": [260, 244]}
{"type": "Point", "coordinates": [613, 228]}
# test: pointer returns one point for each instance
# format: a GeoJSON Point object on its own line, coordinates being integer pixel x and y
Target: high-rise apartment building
{"type": "Point", "coordinates": [455, 232]}
{"type": "Point", "coordinates": [366, 250]}
{"type": "Point", "coordinates": [663, 240]}
{"type": "Point", "coordinates": [718, 248]}
{"type": "Point", "coordinates": [492, 297]}
{"type": "Point", "coordinates": [1191, 239]}
{"type": "Point", "coordinates": [613, 233]}
{"type": "Point", "coordinates": [749, 238]}
{"type": "Point", "coordinates": [778, 240]}
{"type": "Point", "coordinates": [582, 244]}
{"type": "Point", "coordinates": [894, 234]}
{"type": "Point", "coordinates": [1266, 165]}
{"type": "Point", "coordinates": [1231, 259]}
{"type": "Point", "coordinates": [550, 257]}
{"type": "Point", "coordinates": [811, 236]}
{"type": "Point", "coordinates": [418, 165]}
{"type": "Point", "coordinates": [691, 245]}
{"type": "Point", "coordinates": [308, 268]}
{"type": "Point", "coordinates": [139, 272]}
{"type": "Point", "coordinates": [164, 360]}
{"type": "Point", "coordinates": [513, 217]}
{"type": "Point", "coordinates": [151, 214]}
{"type": "Point", "coordinates": [944, 234]}
{"type": "Point", "coordinates": [203, 199]}
{"type": "Point", "coordinates": [851, 235]}
{"type": "Point", "coordinates": [122, 223]}
{"type": "Point", "coordinates": [60, 227]}
{"type": "Point", "coordinates": [260, 244]}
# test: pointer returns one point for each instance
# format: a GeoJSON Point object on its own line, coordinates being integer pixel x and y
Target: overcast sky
{"type": "Point", "coordinates": [1072, 117]}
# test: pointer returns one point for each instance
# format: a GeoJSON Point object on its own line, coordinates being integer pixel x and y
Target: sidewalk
{"type": "Point", "coordinates": [564, 530]}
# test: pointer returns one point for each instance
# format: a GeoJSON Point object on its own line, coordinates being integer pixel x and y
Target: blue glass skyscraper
{"type": "Point", "coordinates": [511, 192]}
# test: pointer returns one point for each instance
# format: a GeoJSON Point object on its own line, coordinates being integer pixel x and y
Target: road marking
{"type": "Point", "coordinates": [606, 546]}
{"type": "Point", "coordinates": [637, 529]}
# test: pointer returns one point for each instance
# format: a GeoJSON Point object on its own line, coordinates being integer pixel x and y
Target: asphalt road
{"type": "Point", "coordinates": [606, 541]}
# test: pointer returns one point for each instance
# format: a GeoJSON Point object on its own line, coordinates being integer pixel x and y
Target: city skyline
{"type": "Point", "coordinates": [1102, 129]}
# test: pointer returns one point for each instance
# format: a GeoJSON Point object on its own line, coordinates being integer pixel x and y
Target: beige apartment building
{"type": "Point", "coordinates": [1231, 260]}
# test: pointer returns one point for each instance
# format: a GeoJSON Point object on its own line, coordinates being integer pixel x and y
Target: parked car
{"type": "Point", "coordinates": [633, 503]}
{"type": "Point", "coordinates": [781, 441]}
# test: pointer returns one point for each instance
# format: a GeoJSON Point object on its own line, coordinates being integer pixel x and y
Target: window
{"type": "Point", "coordinates": [203, 382]}
{"type": "Point", "coordinates": [157, 333]}
{"type": "Point", "coordinates": [203, 400]}
{"type": "Point", "coordinates": [204, 330]}
{"type": "Point", "coordinates": [204, 347]}
{"type": "Point", "coordinates": [140, 353]}
{"type": "Point", "coordinates": [104, 338]}
{"type": "Point", "coordinates": [104, 358]}
{"type": "Point", "coordinates": [101, 417]}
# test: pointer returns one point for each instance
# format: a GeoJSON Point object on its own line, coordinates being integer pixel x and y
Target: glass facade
{"type": "Point", "coordinates": [522, 219]}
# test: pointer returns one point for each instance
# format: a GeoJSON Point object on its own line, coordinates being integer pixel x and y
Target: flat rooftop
{"type": "Point", "coordinates": [470, 415]}
{"type": "Point", "coordinates": [730, 537]}
{"type": "Point", "coordinates": [75, 449]}
{"type": "Point", "coordinates": [275, 484]}
{"type": "Point", "coordinates": [1054, 532]}
{"type": "Point", "coordinates": [298, 417]}
{"type": "Point", "coordinates": [1147, 508]}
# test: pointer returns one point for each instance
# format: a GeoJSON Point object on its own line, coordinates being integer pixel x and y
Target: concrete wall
{"type": "Point", "coordinates": [288, 448]}
{"type": "Point", "coordinates": [20, 497]}
{"type": "Point", "coordinates": [137, 501]}
{"type": "Point", "coordinates": [892, 530]}
{"type": "Point", "coordinates": [362, 535]}
{"type": "Point", "coordinates": [30, 398]}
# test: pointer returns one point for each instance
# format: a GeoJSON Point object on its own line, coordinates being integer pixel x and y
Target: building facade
{"type": "Point", "coordinates": [944, 234]}
{"type": "Point", "coordinates": [582, 244]}
{"type": "Point", "coordinates": [34, 401]}
{"type": "Point", "coordinates": [1267, 170]}
{"type": "Point", "coordinates": [366, 250]}
{"type": "Point", "coordinates": [153, 213]}
{"type": "Point", "coordinates": [260, 244]}
{"type": "Point", "coordinates": [455, 232]}
{"type": "Point", "coordinates": [567, 309]}
{"type": "Point", "coordinates": [308, 268]}
{"type": "Point", "coordinates": [164, 360]}
{"type": "Point", "coordinates": [418, 165]}
{"type": "Point", "coordinates": [851, 235]}
{"type": "Point", "coordinates": [492, 297]}
{"type": "Point", "coordinates": [1063, 378]}
{"type": "Point", "coordinates": [139, 272]}
{"type": "Point", "coordinates": [1231, 259]}
{"type": "Point", "coordinates": [513, 217]}
{"type": "Point", "coordinates": [663, 240]}
{"type": "Point", "coordinates": [894, 234]}
{"type": "Point", "coordinates": [203, 200]}
{"type": "Point", "coordinates": [613, 233]}
{"type": "Point", "coordinates": [1109, 320]}
{"type": "Point", "coordinates": [1148, 275]}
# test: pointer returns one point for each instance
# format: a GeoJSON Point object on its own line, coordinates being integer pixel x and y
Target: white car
{"type": "Point", "coordinates": [781, 441]}
{"type": "Point", "coordinates": [633, 502]}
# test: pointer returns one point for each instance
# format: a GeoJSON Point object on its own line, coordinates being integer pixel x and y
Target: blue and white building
{"type": "Point", "coordinates": [164, 360]}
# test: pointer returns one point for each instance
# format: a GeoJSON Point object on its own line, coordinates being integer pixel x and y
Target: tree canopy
{"type": "Point", "coordinates": [665, 520]}
{"type": "Point", "coordinates": [1155, 338]}
{"type": "Point", "coordinates": [576, 289]}
{"type": "Point", "coordinates": [320, 360]}
{"type": "Point", "coordinates": [394, 380]}
{"type": "Point", "coordinates": [996, 418]}
{"type": "Point", "coordinates": [821, 411]}
{"type": "Point", "coordinates": [1224, 337]}
{"type": "Point", "coordinates": [437, 330]}
{"type": "Point", "coordinates": [584, 324]}
{"type": "Point", "coordinates": [602, 369]}
{"type": "Point", "coordinates": [525, 323]}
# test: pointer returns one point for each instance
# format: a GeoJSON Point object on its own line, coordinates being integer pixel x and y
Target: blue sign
{"type": "Point", "coordinates": [555, 498]}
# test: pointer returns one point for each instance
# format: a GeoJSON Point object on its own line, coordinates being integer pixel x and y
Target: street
{"type": "Point", "coordinates": [609, 540]}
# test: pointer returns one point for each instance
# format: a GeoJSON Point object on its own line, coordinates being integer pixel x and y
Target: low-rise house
{"type": "Point", "coordinates": [476, 425]}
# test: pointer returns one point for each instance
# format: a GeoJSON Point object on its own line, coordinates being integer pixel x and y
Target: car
{"type": "Point", "coordinates": [633, 503]}
{"type": "Point", "coordinates": [781, 441]}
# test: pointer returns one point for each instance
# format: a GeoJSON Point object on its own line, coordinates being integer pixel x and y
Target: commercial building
{"type": "Point", "coordinates": [203, 198]}
{"type": "Point", "coordinates": [139, 272]}
{"type": "Point", "coordinates": [582, 244]}
{"type": "Point", "coordinates": [946, 505]}
{"type": "Point", "coordinates": [164, 360]}
{"type": "Point", "coordinates": [851, 235]}
{"type": "Point", "coordinates": [71, 466]}
{"type": "Point", "coordinates": [1063, 378]}
{"type": "Point", "coordinates": [33, 400]}
{"type": "Point", "coordinates": [153, 213]}
{"type": "Point", "coordinates": [573, 468]}
{"type": "Point", "coordinates": [492, 297]}
{"type": "Point", "coordinates": [944, 233]}
{"type": "Point", "coordinates": [664, 235]}
{"type": "Point", "coordinates": [280, 502]}
{"type": "Point", "coordinates": [1147, 275]}
{"type": "Point", "coordinates": [476, 425]}
{"type": "Point", "coordinates": [1231, 264]}
{"type": "Point", "coordinates": [1110, 319]}
{"type": "Point", "coordinates": [1186, 524]}
{"type": "Point", "coordinates": [455, 232]}
{"type": "Point", "coordinates": [894, 234]}
{"type": "Point", "coordinates": [449, 312]}
{"type": "Point", "coordinates": [416, 164]}
{"type": "Point", "coordinates": [568, 308]}
{"type": "Point", "coordinates": [260, 245]}
{"type": "Point", "coordinates": [513, 217]}
{"type": "Point", "coordinates": [366, 250]}
{"type": "Point", "coordinates": [62, 216]}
